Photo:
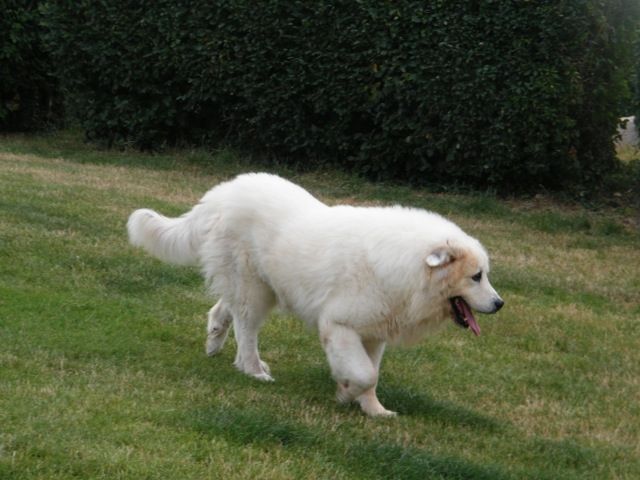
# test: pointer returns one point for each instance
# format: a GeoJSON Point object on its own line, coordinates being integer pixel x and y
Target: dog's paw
{"type": "Point", "coordinates": [214, 344]}
{"type": "Point", "coordinates": [343, 396]}
{"type": "Point", "coordinates": [377, 410]}
{"type": "Point", "coordinates": [216, 337]}
{"type": "Point", "coordinates": [384, 413]}
{"type": "Point", "coordinates": [259, 370]}
{"type": "Point", "coordinates": [265, 367]}
{"type": "Point", "coordinates": [263, 377]}
{"type": "Point", "coordinates": [371, 405]}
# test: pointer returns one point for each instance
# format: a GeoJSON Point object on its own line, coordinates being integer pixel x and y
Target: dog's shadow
{"type": "Point", "coordinates": [407, 402]}
{"type": "Point", "coordinates": [401, 399]}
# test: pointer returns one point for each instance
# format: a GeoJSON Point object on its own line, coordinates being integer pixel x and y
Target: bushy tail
{"type": "Point", "coordinates": [173, 240]}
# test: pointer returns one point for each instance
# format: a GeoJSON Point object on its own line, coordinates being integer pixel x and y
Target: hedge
{"type": "Point", "coordinates": [510, 95]}
{"type": "Point", "coordinates": [30, 96]}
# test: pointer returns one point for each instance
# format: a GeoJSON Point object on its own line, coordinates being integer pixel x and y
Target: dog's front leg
{"type": "Point", "coordinates": [368, 400]}
{"type": "Point", "coordinates": [354, 366]}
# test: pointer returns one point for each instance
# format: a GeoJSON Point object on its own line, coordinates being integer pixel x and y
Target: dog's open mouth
{"type": "Point", "coordinates": [462, 315]}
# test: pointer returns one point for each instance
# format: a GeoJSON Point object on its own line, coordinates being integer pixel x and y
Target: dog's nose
{"type": "Point", "coordinates": [497, 304]}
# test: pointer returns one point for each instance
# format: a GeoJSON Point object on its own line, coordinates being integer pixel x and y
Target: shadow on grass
{"type": "Point", "coordinates": [358, 457]}
{"type": "Point", "coordinates": [414, 404]}
{"type": "Point", "coordinates": [355, 456]}
{"type": "Point", "coordinates": [313, 382]}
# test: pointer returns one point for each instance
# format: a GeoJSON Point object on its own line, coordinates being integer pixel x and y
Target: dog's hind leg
{"type": "Point", "coordinates": [248, 318]}
{"type": "Point", "coordinates": [219, 321]}
{"type": "Point", "coordinates": [354, 366]}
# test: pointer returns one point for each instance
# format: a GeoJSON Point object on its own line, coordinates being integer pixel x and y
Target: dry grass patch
{"type": "Point", "coordinates": [183, 186]}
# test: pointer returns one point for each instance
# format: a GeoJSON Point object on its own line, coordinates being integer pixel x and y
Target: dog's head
{"type": "Point", "coordinates": [462, 270]}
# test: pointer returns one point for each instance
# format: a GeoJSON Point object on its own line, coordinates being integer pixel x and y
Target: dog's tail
{"type": "Point", "coordinates": [173, 240]}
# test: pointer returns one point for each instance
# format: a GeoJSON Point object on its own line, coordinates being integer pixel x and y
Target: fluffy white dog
{"type": "Point", "coordinates": [361, 276]}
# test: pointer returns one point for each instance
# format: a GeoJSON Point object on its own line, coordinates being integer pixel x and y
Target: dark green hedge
{"type": "Point", "coordinates": [510, 95]}
{"type": "Point", "coordinates": [30, 98]}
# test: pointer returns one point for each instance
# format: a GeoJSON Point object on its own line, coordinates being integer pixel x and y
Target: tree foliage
{"type": "Point", "coordinates": [30, 97]}
{"type": "Point", "coordinates": [491, 93]}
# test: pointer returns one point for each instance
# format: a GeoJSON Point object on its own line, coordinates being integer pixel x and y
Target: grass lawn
{"type": "Point", "coordinates": [103, 372]}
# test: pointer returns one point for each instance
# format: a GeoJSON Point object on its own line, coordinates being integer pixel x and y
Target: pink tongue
{"type": "Point", "coordinates": [473, 325]}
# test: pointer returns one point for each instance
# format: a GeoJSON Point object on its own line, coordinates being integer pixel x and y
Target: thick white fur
{"type": "Point", "coordinates": [362, 276]}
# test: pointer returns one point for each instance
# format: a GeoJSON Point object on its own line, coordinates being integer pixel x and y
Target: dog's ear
{"type": "Point", "coordinates": [438, 258]}
{"type": "Point", "coordinates": [441, 256]}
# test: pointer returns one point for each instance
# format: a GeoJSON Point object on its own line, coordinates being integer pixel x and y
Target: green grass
{"type": "Point", "coordinates": [103, 372]}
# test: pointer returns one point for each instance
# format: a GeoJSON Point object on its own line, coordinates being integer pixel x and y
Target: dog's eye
{"type": "Point", "coordinates": [477, 277]}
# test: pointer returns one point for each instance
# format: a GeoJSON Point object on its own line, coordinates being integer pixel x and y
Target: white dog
{"type": "Point", "coordinates": [362, 276]}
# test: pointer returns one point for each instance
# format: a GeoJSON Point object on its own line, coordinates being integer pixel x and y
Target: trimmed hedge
{"type": "Point", "coordinates": [30, 97]}
{"type": "Point", "coordinates": [491, 93]}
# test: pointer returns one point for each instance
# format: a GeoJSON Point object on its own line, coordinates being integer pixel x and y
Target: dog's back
{"type": "Point", "coordinates": [257, 197]}
{"type": "Point", "coordinates": [245, 209]}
